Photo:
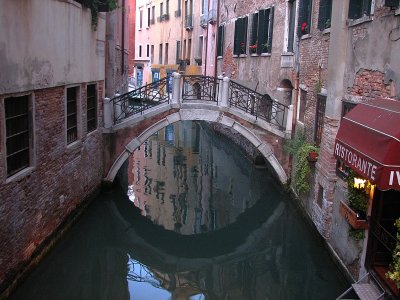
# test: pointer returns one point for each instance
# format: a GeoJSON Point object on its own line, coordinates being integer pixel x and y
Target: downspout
{"type": "Point", "coordinates": [216, 41]}
{"type": "Point", "coordinates": [123, 39]}
{"type": "Point", "coordinates": [205, 57]}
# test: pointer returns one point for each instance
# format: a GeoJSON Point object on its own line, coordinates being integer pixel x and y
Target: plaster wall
{"type": "Point", "coordinates": [48, 43]}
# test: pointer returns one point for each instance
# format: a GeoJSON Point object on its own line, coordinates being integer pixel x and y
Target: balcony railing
{"type": "Point", "coordinates": [189, 22]}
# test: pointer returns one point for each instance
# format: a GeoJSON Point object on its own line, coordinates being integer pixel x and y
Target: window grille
{"type": "Point", "coordinates": [91, 94]}
{"type": "Point", "coordinates": [72, 122]}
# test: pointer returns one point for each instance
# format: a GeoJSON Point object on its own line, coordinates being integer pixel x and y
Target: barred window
{"type": "Point", "coordinates": [18, 133]}
{"type": "Point", "coordinates": [240, 38]}
{"type": "Point", "coordinates": [91, 107]}
{"type": "Point", "coordinates": [72, 120]}
{"type": "Point", "coordinates": [302, 105]}
{"type": "Point", "coordinates": [319, 120]}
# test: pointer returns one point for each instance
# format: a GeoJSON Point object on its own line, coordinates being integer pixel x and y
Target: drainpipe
{"type": "Point", "coordinates": [296, 86]}
{"type": "Point", "coordinates": [123, 38]}
{"type": "Point", "coordinates": [216, 40]}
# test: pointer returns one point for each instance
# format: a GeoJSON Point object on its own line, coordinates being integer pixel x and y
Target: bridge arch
{"type": "Point", "coordinates": [253, 130]}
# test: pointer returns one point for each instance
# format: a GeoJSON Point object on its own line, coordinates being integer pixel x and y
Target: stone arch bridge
{"type": "Point", "coordinates": [131, 118]}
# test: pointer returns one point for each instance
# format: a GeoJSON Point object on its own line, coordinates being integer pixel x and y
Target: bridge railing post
{"type": "Point", "coordinates": [219, 95]}
{"type": "Point", "coordinates": [225, 92]}
{"type": "Point", "coordinates": [176, 89]}
{"type": "Point", "coordinates": [289, 120]}
{"type": "Point", "coordinates": [119, 114]}
{"type": "Point", "coordinates": [107, 113]}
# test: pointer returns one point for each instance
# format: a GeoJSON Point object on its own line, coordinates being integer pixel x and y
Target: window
{"type": "Point", "coordinates": [153, 15]}
{"type": "Point", "coordinates": [152, 54]}
{"type": "Point", "coordinates": [240, 38]}
{"type": "Point", "coordinates": [302, 105]}
{"type": "Point", "coordinates": [147, 50]}
{"type": "Point", "coordinates": [392, 3]}
{"type": "Point", "coordinates": [167, 7]}
{"type": "Point", "coordinates": [91, 94]}
{"type": "Point", "coordinates": [184, 49]}
{"type": "Point", "coordinates": [346, 107]}
{"type": "Point", "coordinates": [140, 50]}
{"type": "Point", "coordinates": [161, 9]}
{"type": "Point", "coordinates": [325, 12]}
{"type": "Point", "coordinates": [160, 54]}
{"type": "Point", "coordinates": [72, 119]}
{"type": "Point", "coordinates": [148, 17]}
{"type": "Point", "coordinates": [178, 51]}
{"type": "Point", "coordinates": [319, 120]}
{"type": "Point", "coordinates": [305, 9]}
{"type": "Point", "coordinates": [320, 195]}
{"type": "Point", "coordinates": [220, 41]}
{"type": "Point", "coordinates": [359, 8]}
{"type": "Point", "coordinates": [166, 54]}
{"type": "Point", "coordinates": [141, 19]}
{"type": "Point", "coordinates": [189, 51]}
{"type": "Point", "coordinates": [200, 51]}
{"type": "Point", "coordinates": [292, 20]}
{"type": "Point", "coordinates": [261, 31]}
{"type": "Point", "coordinates": [18, 123]}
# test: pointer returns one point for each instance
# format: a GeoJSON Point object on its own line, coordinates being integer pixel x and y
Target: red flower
{"type": "Point", "coordinates": [303, 26]}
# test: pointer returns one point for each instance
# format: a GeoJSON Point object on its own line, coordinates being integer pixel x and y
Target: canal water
{"type": "Point", "coordinates": [189, 217]}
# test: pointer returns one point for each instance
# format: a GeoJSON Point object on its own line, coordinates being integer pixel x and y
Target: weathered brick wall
{"type": "Point", "coordinates": [313, 60]}
{"type": "Point", "coordinates": [33, 206]}
{"type": "Point", "coordinates": [370, 84]}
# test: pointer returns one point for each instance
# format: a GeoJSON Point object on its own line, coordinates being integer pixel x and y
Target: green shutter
{"type": "Point", "coordinates": [302, 16]}
{"type": "Point", "coordinates": [262, 39]}
{"type": "Point", "coordinates": [392, 3]}
{"type": "Point", "coordinates": [236, 43]}
{"type": "Point", "coordinates": [254, 29]}
{"type": "Point", "coordinates": [270, 28]}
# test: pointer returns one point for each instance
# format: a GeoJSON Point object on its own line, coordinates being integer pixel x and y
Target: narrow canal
{"type": "Point", "coordinates": [189, 217]}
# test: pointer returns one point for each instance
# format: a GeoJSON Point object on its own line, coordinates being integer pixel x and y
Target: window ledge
{"type": "Point", "coordinates": [287, 54]}
{"type": "Point", "coordinates": [266, 54]}
{"type": "Point", "coordinates": [305, 36]}
{"type": "Point", "coordinates": [219, 57]}
{"type": "Point", "coordinates": [21, 174]}
{"type": "Point", "coordinates": [240, 55]}
{"type": "Point", "coordinates": [74, 145]}
{"type": "Point", "coordinates": [397, 12]}
{"type": "Point", "coordinates": [326, 30]}
{"type": "Point", "coordinates": [254, 55]}
{"type": "Point", "coordinates": [354, 22]}
{"type": "Point", "coordinates": [243, 55]}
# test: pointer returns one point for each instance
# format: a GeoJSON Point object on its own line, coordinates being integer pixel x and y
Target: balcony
{"type": "Point", "coordinates": [189, 22]}
{"type": "Point", "coordinates": [203, 20]}
{"type": "Point", "coordinates": [212, 16]}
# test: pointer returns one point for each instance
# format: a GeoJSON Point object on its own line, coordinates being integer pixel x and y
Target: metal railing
{"type": "Point", "coordinates": [141, 99]}
{"type": "Point", "coordinates": [199, 87]}
{"type": "Point", "coordinates": [258, 105]}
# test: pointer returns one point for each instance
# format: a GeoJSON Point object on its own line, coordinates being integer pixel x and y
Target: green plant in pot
{"type": "Point", "coordinates": [394, 272]}
{"type": "Point", "coordinates": [299, 148]}
{"type": "Point", "coordinates": [358, 201]}
{"type": "Point", "coordinates": [97, 6]}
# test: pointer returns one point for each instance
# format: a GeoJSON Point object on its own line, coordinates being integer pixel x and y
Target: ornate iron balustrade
{"type": "Point", "coordinates": [387, 239]}
{"type": "Point", "coordinates": [198, 87]}
{"type": "Point", "coordinates": [141, 99]}
{"type": "Point", "coordinates": [258, 105]}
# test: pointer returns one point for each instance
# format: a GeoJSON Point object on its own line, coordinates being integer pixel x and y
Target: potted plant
{"type": "Point", "coordinates": [394, 272]}
{"type": "Point", "coordinates": [355, 212]}
{"type": "Point", "coordinates": [253, 48]}
{"type": "Point", "coordinates": [97, 6]}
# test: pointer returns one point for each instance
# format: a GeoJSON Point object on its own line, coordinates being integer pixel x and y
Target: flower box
{"type": "Point", "coordinates": [351, 217]}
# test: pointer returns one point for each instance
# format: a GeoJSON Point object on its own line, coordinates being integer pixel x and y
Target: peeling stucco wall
{"type": "Point", "coordinates": [73, 51]}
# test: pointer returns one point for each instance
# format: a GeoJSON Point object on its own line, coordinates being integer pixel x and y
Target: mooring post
{"type": "Point", "coordinates": [225, 92]}
{"type": "Point", "coordinates": [289, 120]}
{"type": "Point", "coordinates": [176, 89]}
{"type": "Point", "coordinates": [107, 113]}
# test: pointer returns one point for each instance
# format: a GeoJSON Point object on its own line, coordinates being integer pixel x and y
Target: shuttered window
{"type": "Point", "coordinates": [261, 31]}
{"type": "Point", "coordinates": [392, 3]}
{"type": "Point", "coordinates": [292, 24]}
{"type": "Point", "coordinates": [319, 120]}
{"type": "Point", "coordinates": [220, 42]}
{"type": "Point", "coordinates": [325, 14]}
{"type": "Point", "coordinates": [240, 38]}
{"type": "Point", "coordinates": [305, 10]}
{"type": "Point", "coordinates": [18, 133]}
{"type": "Point", "coordinates": [359, 8]}
{"type": "Point", "coordinates": [91, 109]}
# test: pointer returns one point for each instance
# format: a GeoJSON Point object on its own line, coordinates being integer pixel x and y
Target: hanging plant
{"type": "Point", "coordinates": [97, 6]}
{"type": "Point", "coordinates": [394, 273]}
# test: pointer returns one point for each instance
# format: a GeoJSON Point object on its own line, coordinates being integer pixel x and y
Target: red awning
{"type": "Point", "coordinates": [368, 141]}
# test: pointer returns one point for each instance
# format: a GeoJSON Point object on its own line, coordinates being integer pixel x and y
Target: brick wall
{"type": "Point", "coordinates": [369, 84]}
{"type": "Point", "coordinates": [34, 205]}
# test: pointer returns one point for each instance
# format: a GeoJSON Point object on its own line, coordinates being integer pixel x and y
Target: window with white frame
{"type": "Point", "coordinates": [140, 18]}
{"type": "Point", "coordinates": [140, 50]}
{"type": "Point", "coordinates": [18, 133]}
{"type": "Point", "coordinates": [261, 31]}
{"type": "Point", "coordinates": [220, 40]}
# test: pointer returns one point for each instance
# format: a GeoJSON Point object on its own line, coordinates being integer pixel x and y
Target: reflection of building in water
{"type": "Point", "coordinates": [185, 178]}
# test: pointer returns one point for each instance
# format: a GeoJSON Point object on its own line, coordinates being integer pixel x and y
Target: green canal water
{"type": "Point", "coordinates": [189, 217]}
